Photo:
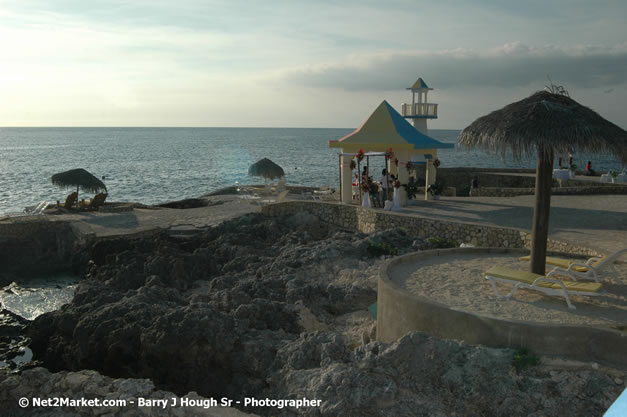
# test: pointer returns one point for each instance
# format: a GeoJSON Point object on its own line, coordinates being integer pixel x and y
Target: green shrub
{"type": "Point", "coordinates": [412, 189]}
{"type": "Point", "coordinates": [442, 242]}
{"type": "Point", "coordinates": [377, 249]}
{"type": "Point", "coordinates": [523, 359]}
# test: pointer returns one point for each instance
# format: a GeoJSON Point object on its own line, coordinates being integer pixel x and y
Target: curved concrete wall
{"type": "Point", "coordinates": [399, 312]}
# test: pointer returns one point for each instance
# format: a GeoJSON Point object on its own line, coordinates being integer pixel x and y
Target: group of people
{"type": "Point", "coordinates": [589, 170]}
{"type": "Point", "coordinates": [378, 190]}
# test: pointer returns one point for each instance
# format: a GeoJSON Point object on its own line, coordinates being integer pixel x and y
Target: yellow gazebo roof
{"type": "Point", "coordinates": [385, 129]}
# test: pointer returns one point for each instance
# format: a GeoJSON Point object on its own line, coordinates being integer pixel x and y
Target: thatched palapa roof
{"type": "Point", "coordinates": [553, 121]}
{"type": "Point", "coordinates": [79, 177]}
{"type": "Point", "coordinates": [266, 168]}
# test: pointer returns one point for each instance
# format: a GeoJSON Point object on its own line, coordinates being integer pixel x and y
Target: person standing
{"type": "Point", "coordinates": [384, 180]}
{"type": "Point", "coordinates": [474, 183]}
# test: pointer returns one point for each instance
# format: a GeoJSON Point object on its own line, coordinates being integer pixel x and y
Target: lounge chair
{"type": "Point", "coordinates": [279, 199]}
{"type": "Point", "coordinates": [98, 201]}
{"type": "Point", "coordinates": [70, 201]}
{"type": "Point", "coordinates": [549, 286]}
{"type": "Point", "coordinates": [282, 196]}
{"type": "Point", "coordinates": [323, 193]}
{"type": "Point", "coordinates": [36, 210]}
{"type": "Point", "coordinates": [95, 203]}
{"type": "Point", "coordinates": [282, 185]}
{"type": "Point", "coordinates": [591, 269]}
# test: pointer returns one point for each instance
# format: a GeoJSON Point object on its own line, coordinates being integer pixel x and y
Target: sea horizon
{"type": "Point", "coordinates": [153, 165]}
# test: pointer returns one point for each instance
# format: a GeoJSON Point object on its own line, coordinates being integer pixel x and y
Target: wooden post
{"type": "Point", "coordinates": [542, 209]}
{"type": "Point", "coordinates": [340, 160]}
{"type": "Point", "coordinates": [359, 178]}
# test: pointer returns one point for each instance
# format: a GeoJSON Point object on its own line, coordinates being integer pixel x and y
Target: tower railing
{"type": "Point", "coordinates": [419, 110]}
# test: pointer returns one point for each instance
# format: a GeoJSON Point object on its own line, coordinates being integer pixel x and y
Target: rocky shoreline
{"type": "Point", "coordinates": [274, 308]}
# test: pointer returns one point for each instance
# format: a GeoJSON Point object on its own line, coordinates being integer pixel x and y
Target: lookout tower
{"type": "Point", "coordinates": [419, 111]}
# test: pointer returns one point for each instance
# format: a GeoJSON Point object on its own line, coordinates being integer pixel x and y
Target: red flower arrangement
{"type": "Point", "coordinates": [360, 155]}
{"type": "Point", "coordinates": [389, 154]}
{"type": "Point", "coordinates": [365, 187]}
{"type": "Point", "coordinates": [397, 184]}
{"type": "Point", "coordinates": [409, 166]}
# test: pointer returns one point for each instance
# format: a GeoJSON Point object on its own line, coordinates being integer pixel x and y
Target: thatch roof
{"type": "Point", "coordinates": [79, 177]}
{"type": "Point", "coordinates": [554, 121]}
{"type": "Point", "coordinates": [266, 168]}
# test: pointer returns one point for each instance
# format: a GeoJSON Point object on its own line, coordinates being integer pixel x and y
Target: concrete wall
{"type": "Point", "coordinates": [399, 312]}
{"type": "Point", "coordinates": [369, 220]}
{"type": "Point", "coordinates": [505, 183]}
{"type": "Point", "coordinates": [565, 190]}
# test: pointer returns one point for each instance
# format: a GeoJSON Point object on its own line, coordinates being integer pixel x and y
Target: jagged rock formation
{"type": "Point", "coordinates": [277, 308]}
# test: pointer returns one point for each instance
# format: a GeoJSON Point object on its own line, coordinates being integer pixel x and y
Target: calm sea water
{"type": "Point", "coordinates": [154, 165]}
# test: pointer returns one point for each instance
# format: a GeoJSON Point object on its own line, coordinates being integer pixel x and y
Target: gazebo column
{"type": "Point", "coordinates": [346, 179]}
{"type": "Point", "coordinates": [393, 168]}
{"type": "Point", "coordinates": [430, 178]}
{"type": "Point", "coordinates": [403, 175]}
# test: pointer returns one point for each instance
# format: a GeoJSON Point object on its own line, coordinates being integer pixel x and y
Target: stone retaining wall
{"type": "Point", "coordinates": [567, 190]}
{"type": "Point", "coordinates": [370, 220]}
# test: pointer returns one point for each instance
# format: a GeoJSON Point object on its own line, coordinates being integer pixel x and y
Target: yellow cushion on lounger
{"type": "Point", "coordinates": [564, 263]}
{"type": "Point", "coordinates": [584, 269]}
{"type": "Point", "coordinates": [529, 278]}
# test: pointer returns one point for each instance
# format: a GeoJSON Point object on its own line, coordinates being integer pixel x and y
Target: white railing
{"type": "Point", "coordinates": [420, 109]}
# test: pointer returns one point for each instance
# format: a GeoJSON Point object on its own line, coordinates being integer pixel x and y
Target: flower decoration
{"type": "Point", "coordinates": [353, 164]}
{"type": "Point", "coordinates": [436, 162]}
{"type": "Point", "coordinates": [397, 184]}
{"type": "Point", "coordinates": [365, 187]}
{"type": "Point", "coordinates": [389, 154]}
{"type": "Point", "coordinates": [409, 166]}
{"type": "Point", "coordinates": [396, 161]}
{"type": "Point", "coordinates": [360, 155]}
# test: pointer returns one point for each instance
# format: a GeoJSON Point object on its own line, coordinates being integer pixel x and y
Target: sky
{"type": "Point", "coordinates": [292, 63]}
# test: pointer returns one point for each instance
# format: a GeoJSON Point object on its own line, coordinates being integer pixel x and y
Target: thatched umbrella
{"type": "Point", "coordinates": [544, 123]}
{"type": "Point", "coordinates": [266, 168]}
{"type": "Point", "coordinates": [79, 177]}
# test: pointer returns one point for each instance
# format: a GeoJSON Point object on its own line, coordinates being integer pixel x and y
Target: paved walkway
{"type": "Point", "coordinates": [595, 221]}
{"type": "Point", "coordinates": [138, 220]}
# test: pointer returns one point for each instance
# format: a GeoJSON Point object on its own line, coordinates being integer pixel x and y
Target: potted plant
{"type": "Point", "coordinates": [572, 171]}
{"type": "Point", "coordinates": [412, 189]}
{"type": "Point", "coordinates": [614, 174]}
{"type": "Point", "coordinates": [436, 189]}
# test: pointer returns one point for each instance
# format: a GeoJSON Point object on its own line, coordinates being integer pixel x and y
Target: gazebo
{"type": "Point", "coordinates": [385, 129]}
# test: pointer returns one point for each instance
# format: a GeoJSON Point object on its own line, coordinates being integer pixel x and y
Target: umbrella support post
{"type": "Point", "coordinates": [542, 209]}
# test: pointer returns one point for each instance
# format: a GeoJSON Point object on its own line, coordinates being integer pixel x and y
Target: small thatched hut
{"type": "Point", "coordinates": [544, 124]}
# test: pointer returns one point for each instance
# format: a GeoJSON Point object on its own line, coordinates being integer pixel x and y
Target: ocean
{"type": "Point", "coordinates": [156, 165]}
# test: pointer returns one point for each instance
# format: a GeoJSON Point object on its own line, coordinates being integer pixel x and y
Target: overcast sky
{"type": "Point", "coordinates": [292, 63]}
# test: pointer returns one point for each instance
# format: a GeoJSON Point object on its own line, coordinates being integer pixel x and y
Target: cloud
{"type": "Point", "coordinates": [512, 65]}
